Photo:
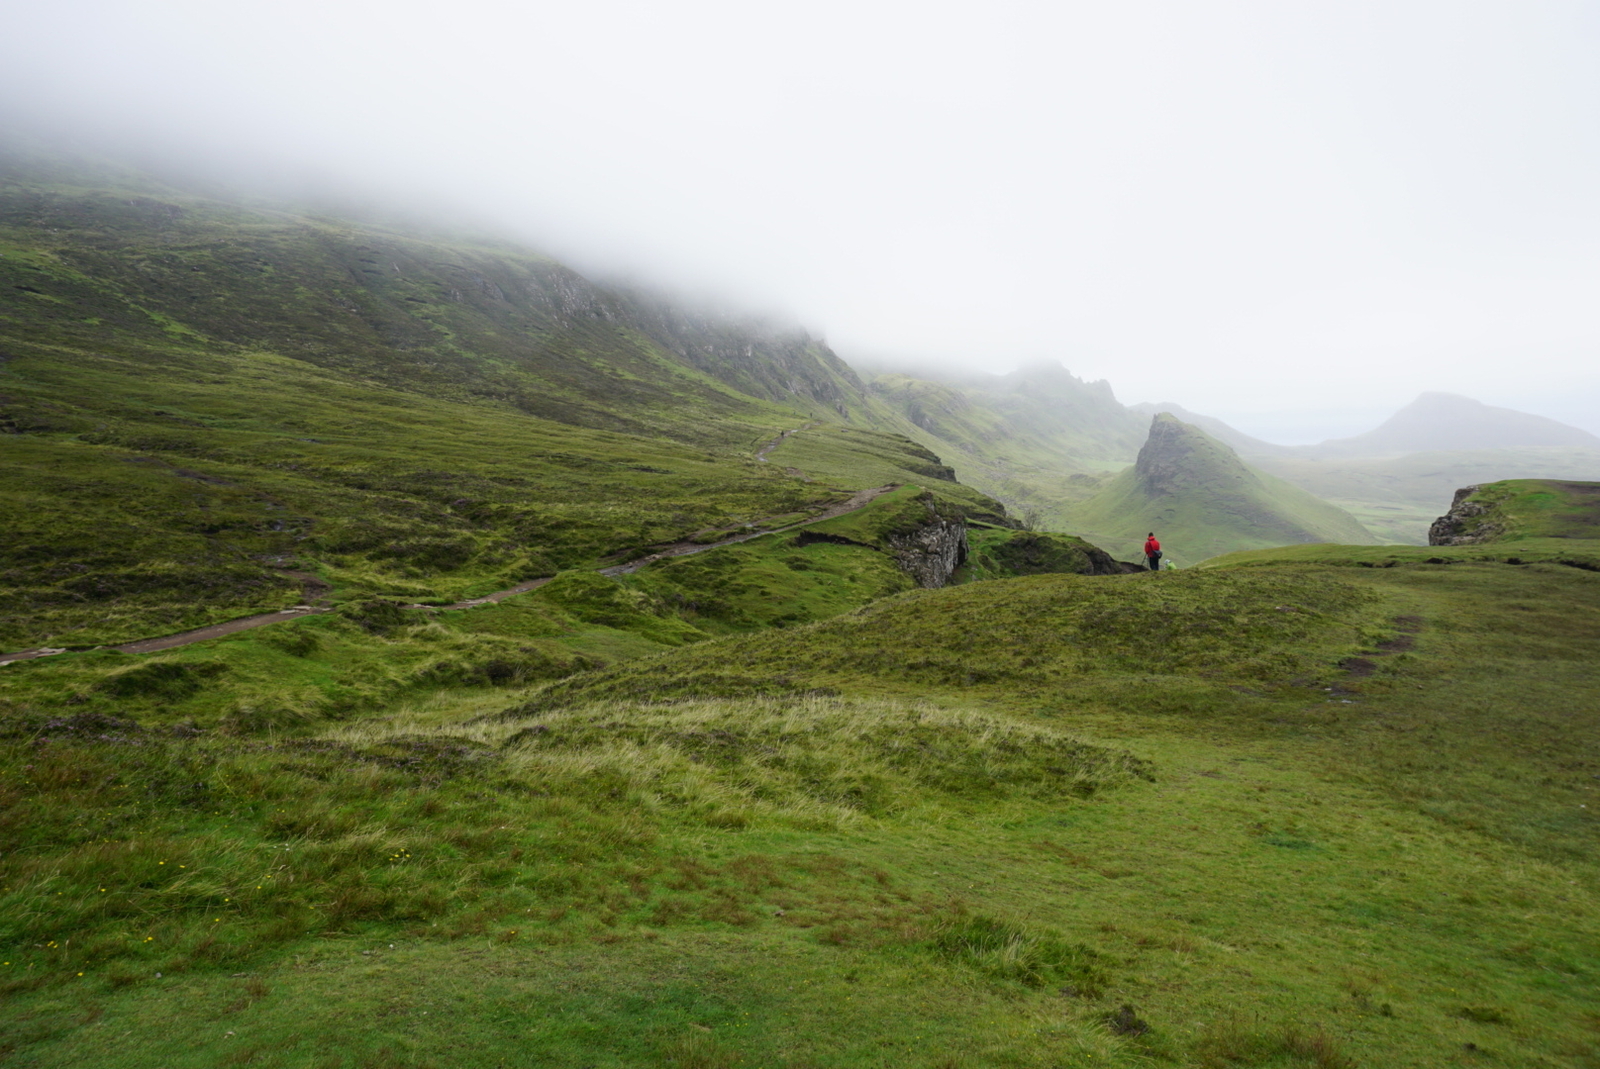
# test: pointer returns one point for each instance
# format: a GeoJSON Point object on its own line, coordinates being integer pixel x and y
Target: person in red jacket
{"type": "Point", "coordinates": [1152, 552]}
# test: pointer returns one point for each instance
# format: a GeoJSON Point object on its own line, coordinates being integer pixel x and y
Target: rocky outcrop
{"type": "Point", "coordinates": [931, 548]}
{"type": "Point", "coordinates": [931, 553]}
{"type": "Point", "coordinates": [1472, 519]}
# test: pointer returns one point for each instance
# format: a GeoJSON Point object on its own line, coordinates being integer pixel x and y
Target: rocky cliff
{"type": "Point", "coordinates": [1473, 518]}
{"type": "Point", "coordinates": [931, 552]}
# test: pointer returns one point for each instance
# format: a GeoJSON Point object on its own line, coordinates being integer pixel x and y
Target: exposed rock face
{"type": "Point", "coordinates": [1468, 522]}
{"type": "Point", "coordinates": [931, 552]}
{"type": "Point", "coordinates": [1177, 457]}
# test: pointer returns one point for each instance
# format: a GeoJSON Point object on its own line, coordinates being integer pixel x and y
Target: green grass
{"type": "Point", "coordinates": [1582, 554]}
{"type": "Point", "coordinates": [896, 836]}
{"type": "Point", "coordinates": [768, 805]}
{"type": "Point", "coordinates": [1516, 510]}
{"type": "Point", "coordinates": [1202, 500]}
{"type": "Point", "coordinates": [127, 529]}
{"type": "Point", "coordinates": [1001, 554]}
{"type": "Point", "coordinates": [198, 396]}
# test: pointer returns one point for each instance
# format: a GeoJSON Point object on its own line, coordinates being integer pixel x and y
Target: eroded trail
{"type": "Point", "coordinates": [316, 589]}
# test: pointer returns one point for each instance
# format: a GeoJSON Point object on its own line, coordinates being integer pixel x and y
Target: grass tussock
{"type": "Point", "coordinates": [1041, 636]}
{"type": "Point", "coordinates": [1007, 951]}
{"type": "Point", "coordinates": [127, 844]}
{"type": "Point", "coordinates": [1230, 1042]}
{"type": "Point", "coordinates": [810, 759]}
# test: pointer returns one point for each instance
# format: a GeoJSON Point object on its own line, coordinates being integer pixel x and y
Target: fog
{"type": "Point", "coordinates": [1294, 216]}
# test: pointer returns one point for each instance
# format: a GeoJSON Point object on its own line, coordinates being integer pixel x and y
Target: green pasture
{"type": "Point", "coordinates": [1286, 814]}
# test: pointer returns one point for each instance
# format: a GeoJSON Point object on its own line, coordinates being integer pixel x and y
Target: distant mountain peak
{"type": "Point", "coordinates": [1201, 500]}
{"type": "Point", "coordinates": [1177, 456]}
{"type": "Point", "coordinates": [1440, 421]}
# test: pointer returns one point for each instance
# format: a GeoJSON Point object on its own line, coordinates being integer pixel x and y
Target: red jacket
{"type": "Point", "coordinates": [1151, 546]}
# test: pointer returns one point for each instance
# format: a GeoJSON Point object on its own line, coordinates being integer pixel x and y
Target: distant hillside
{"type": "Point", "coordinates": [1202, 500]}
{"type": "Point", "coordinates": [1036, 439]}
{"type": "Point", "coordinates": [1043, 441]}
{"type": "Point", "coordinates": [97, 256]}
{"type": "Point", "coordinates": [1043, 407]}
{"type": "Point", "coordinates": [1445, 421]}
{"type": "Point", "coordinates": [1518, 509]}
{"type": "Point", "coordinates": [1397, 497]}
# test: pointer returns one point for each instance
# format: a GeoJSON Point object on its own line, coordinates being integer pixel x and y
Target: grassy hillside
{"type": "Point", "coordinates": [1037, 439]}
{"type": "Point", "coordinates": [1277, 815]}
{"type": "Point", "coordinates": [1043, 442]}
{"type": "Point", "coordinates": [1517, 510]}
{"type": "Point", "coordinates": [212, 409]}
{"type": "Point", "coordinates": [179, 487]}
{"type": "Point", "coordinates": [1201, 500]}
{"type": "Point", "coordinates": [96, 255]}
{"type": "Point", "coordinates": [769, 804]}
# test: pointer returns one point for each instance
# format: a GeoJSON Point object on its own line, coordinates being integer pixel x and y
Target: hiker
{"type": "Point", "coordinates": [1152, 552]}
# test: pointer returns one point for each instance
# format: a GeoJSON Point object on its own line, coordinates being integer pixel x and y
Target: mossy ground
{"type": "Point", "coordinates": [1292, 813]}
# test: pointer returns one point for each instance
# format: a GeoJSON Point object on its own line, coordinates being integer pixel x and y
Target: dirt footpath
{"type": "Point", "coordinates": [316, 590]}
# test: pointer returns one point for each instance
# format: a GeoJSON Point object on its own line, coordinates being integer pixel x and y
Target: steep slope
{"type": "Point", "coordinates": [1202, 500]}
{"type": "Point", "coordinates": [96, 257]}
{"type": "Point", "coordinates": [1445, 421]}
{"type": "Point", "coordinates": [212, 409]}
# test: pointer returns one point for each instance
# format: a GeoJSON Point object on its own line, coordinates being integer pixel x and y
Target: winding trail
{"type": "Point", "coordinates": [761, 454]}
{"type": "Point", "coordinates": [316, 589]}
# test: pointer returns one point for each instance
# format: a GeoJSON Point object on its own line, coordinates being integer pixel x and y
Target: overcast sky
{"type": "Point", "coordinates": [1295, 216]}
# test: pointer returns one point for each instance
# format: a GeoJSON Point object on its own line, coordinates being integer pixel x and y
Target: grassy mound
{"type": "Point", "coordinates": [1055, 637]}
{"type": "Point", "coordinates": [162, 851]}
